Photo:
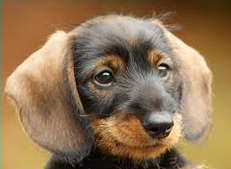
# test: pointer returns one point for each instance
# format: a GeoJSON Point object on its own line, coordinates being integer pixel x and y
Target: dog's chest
{"type": "Point", "coordinates": [170, 160]}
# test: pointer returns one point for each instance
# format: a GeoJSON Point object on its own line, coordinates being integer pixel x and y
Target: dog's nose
{"type": "Point", "coordinates": [158, 125]}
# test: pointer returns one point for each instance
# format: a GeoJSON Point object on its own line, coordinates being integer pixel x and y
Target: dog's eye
{"type": "Point", "coordinates": [163, 69]}
{"type": "Point", "coordinates": [104, 78]}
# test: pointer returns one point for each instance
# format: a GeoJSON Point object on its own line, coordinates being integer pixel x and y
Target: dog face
{"type": "Point", "coordinates": [126, 85]}
{"type": "Point", "coordinates": [129, 85]}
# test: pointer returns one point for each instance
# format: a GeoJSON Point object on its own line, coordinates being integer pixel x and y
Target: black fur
{"type": "Point", "coordinates": [139, 88]}
{"type": "Point", "coordinates": [170, 160]}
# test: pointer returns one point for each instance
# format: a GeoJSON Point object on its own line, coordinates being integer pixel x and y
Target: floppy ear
{"type": "Point", "coordinates": [44, 90]}
{"type": "Point", "coordinates": [196, 89]}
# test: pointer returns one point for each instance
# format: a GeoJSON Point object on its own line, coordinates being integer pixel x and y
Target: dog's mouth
{"type": "Point", "coordinates": [142, 142]}
{"type": "Point", "coordinates": [155, 143]}
{"type": "Point", "coordinates": [139, 142]}
{"type": "Point", "coordinates": [126, 137]}
{"type": "Point", "coordinates": [137, 152]}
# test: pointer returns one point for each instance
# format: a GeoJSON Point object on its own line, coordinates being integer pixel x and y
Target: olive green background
{"type": "Point", "coordinates": [206, 25]}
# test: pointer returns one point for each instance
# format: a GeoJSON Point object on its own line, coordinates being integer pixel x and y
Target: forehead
{"type": "Point", "coordinates": [122, 36]}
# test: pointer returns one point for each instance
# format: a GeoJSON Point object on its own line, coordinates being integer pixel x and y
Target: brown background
{"type": "Point", "coordinates": [206, 26]}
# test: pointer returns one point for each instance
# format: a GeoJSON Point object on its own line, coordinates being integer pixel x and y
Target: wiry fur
{"type": "Point", "coordinates": [118, 136]}
{"type": "Point", "coordinates": [85, 125]}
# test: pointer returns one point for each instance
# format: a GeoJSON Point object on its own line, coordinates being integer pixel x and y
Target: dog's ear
{"type": "Point", "coordinates": [44, 90]}
{"type": "Point", "coordinates": [196, 89]}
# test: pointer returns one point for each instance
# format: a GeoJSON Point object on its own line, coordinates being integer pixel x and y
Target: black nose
{"type": "Point", "coordinates": [158, 125]}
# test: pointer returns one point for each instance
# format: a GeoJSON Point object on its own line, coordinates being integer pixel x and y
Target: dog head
{"type": "Point", "coordinates": [124, 84]}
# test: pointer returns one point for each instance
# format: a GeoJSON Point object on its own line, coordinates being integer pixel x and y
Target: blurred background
{"type": "Point", "coordinates": [25, 26]}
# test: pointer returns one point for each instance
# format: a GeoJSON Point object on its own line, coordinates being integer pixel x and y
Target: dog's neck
{"type": "Point", "coordinates": [169, 160]}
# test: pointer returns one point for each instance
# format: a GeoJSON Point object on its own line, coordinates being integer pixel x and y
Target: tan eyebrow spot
{"type": "Point", "coordinates": [112, 61]}
{"type": "Point", "coordinates": [154, 56]}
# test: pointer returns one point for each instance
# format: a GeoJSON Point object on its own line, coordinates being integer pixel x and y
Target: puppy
{"type": "Point", "coordinates": [115, 92]}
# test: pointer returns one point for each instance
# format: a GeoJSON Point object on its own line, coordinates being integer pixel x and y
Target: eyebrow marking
{"type": "Point", "coordinates": [154, 56]}
{"type": "Point", "coordinates": [113, 61]}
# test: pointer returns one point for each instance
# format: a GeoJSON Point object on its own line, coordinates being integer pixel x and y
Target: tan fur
{"type": "Point", "coordinates": [43, 107]}
{"type": "Point", "coordinates": [124, 136]}
{"type": "Point", "coordinates": [196, 89]}
{"type": "Point", "coordinates": [110, 61]}
{"type": "Point", "coordinates": [72, 82]}
{"type": "Point", "coordinates": [153, 57]}
{"type": "Point", "coordinates": [48, 119]}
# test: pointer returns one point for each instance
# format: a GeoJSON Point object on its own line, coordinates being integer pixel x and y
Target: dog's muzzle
{"type": "Point", "coordinates": [158, 124]}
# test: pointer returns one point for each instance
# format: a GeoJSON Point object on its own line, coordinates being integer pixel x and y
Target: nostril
{"type": "Point", "coordinates": [154, 131]}
{"type": "Point", "coordinates": [169, 128]}
{"type": "Point", "coordinates": [158, 125]}
{"type": "Point", "coordinates": [158, 130]}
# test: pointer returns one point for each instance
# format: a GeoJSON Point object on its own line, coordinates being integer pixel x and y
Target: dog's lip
{"type": "Point", "coordinates": [157, 144]}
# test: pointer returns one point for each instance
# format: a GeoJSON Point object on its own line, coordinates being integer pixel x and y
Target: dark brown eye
{"type": "Point", "coordinates": [104, 78]}
{"type": "Point", "coordinates": [163, 69]}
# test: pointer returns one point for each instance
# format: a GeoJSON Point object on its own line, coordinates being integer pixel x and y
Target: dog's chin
{"type": "Point", "coordinates": [144, 142]}
{"type": "Point", "coordinates": [126, 138]}
{"type": "Point", "coordinates": [137, 153]}
{"type": "Point", "coordinates": [155, 144]}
